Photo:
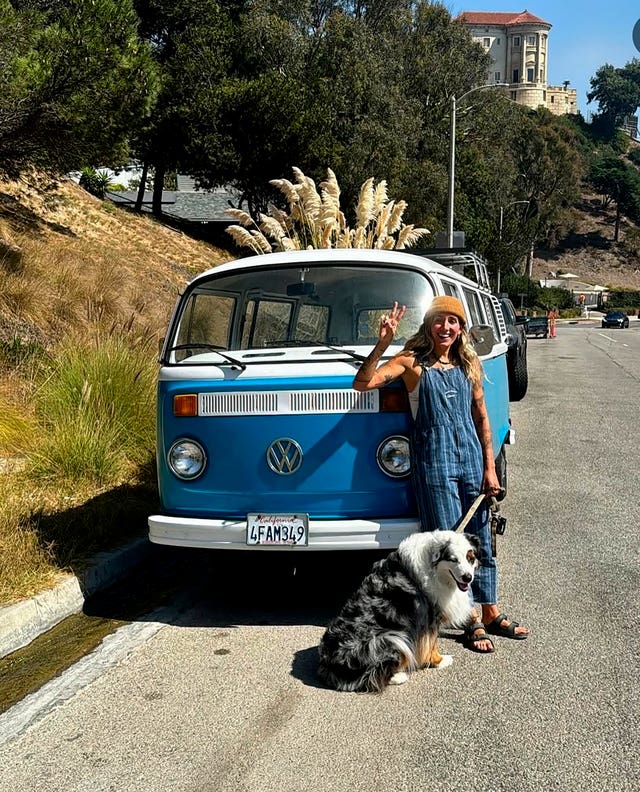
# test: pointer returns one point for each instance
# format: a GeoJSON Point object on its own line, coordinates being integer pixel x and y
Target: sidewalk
{"type": "Point", "coordinates": [22, 622]}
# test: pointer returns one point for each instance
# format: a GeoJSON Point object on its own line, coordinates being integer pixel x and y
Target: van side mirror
{"type": "Point", "coordinates": [482, 338]}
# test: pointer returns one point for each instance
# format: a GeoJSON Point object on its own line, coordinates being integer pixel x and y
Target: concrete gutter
{"type": "Point", "coordinates": [23, 621]}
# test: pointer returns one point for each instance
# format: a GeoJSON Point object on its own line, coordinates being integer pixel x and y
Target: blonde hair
{"type": "Point", "coordinates": [462, 351]}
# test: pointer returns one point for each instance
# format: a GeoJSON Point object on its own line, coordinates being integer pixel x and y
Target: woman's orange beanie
{"type": "Point", "coordinates": [446, 305]}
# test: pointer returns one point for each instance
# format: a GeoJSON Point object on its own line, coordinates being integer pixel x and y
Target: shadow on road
{"type": "Point", "coordinates": [233, 588]}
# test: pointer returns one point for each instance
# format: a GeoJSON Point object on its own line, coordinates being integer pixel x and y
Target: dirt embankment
{"type": "Point", "coordinates": [589, 251]}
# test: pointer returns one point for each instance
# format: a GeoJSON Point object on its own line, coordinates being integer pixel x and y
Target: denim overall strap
{"type": "Point", "coordinates": [447, 466]}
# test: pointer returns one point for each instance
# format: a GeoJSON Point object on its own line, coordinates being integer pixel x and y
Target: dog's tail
{"type": "Point", "coordinates": [370, 669]}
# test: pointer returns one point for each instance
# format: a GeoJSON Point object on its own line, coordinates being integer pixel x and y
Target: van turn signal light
{"type": "Point", "coordinates": [185, 405]}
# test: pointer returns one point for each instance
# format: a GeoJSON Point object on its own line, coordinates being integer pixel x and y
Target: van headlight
{"type": "Point", "coordinates": [393, 456]}
{"type": "Point", "coordinates": [186, 459]}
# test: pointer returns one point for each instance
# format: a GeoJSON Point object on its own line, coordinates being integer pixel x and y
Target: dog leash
{"type": "Point", "coordinates": [498, 522]}
{"type": "Point", "coordinates": [474, 508]}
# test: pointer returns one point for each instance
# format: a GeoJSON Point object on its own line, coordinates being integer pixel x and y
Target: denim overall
{"type": "Point", "coordinates": [447, 466]}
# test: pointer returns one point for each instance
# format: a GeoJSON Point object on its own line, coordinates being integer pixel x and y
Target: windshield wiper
{"type": "Point", "coordinates": [299, 342]}
{"type": "Point", "coordinates": [349, 352]}
{"type": "Point", "coordinates": [212, 348]}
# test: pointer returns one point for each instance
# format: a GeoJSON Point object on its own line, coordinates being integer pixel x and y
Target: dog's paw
{"type": "Point", "coordinates": [446, 661]}
{"type": "Point", "coordinates": [399, 679]}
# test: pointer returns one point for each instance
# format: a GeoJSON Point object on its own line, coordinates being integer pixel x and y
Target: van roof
{"type": "Point", "coordinates": [396, 258]}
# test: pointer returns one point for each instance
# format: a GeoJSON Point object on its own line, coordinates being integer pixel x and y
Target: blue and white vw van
{"type": "Point", "coordinates": [262, 442]}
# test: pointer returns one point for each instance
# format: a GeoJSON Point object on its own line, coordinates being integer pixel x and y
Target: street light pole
{"type": "Point", "coordinates": [452, 155]}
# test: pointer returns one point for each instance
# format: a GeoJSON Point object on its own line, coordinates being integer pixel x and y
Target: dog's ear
{"type": "Point", "coordinates": [474, 541]}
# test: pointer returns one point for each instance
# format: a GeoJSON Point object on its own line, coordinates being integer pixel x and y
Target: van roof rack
{"type": "Point", "coordinates": [461, 260]}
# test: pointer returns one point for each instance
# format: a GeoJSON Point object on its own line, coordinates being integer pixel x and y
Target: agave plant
{"type": "Point", "coordinates": [315, 219]}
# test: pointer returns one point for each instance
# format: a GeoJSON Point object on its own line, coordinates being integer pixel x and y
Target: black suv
{"type": "Point", "coordinates": [517, 355]}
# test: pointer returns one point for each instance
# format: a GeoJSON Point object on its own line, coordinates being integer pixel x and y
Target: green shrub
{"type": "Point", "coordinates": [95, 182]}
{"type": "Point", "coordinates": [97, 409]}
{"type": "Point", "coordinates": [624, 299]}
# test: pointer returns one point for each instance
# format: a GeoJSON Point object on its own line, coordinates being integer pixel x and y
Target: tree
{"type": "Point", "coordinates": [74, 80]}
{"type": "Point", "coordinates": [357, 86]}
{"type": "Point", "coordinates": [617, 91]}
{"type": "Point", "coordinates": [619, 182]}
{"type": "Point", "coordinates": [190, 44]}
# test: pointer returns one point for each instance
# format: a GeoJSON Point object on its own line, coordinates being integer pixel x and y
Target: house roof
{"type": "Point", "coordinates": [502, 18]}
{"type": "Point", "coordinates": [202, 206]}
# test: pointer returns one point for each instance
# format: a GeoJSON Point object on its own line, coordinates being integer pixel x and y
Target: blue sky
{"type": "Point", "coordinates": [585, 35]}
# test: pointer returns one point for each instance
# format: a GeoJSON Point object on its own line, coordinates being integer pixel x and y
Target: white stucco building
{"type": "Point", "coordinates": [518, 43]}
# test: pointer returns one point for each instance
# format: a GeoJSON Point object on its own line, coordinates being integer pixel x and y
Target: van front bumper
{"type": "Point", "coordinates": [383, 534]}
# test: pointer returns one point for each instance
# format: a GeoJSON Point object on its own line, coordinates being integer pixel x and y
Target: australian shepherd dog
{"type": "Point", "coordinates": [389, 626]}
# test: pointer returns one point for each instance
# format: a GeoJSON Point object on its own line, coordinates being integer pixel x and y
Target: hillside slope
{"type": "Point", "coordinates": [69, 259]}
{"type": "Point", "coordinates": [589, 251]}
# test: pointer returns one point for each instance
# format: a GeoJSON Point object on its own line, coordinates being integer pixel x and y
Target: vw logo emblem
{"type": "Point", "coordinates": [284, 456]}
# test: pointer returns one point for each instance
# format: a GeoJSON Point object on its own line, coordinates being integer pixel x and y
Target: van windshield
{"type": "Point", "coordinates": [266, 308]}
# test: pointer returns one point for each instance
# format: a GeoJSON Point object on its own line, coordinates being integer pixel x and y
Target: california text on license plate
{"type": "Point", "coordinates": [277, 529]}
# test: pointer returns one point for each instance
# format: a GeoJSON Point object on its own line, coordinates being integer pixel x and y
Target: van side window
{"type": "Point", "coordinates": [492, 319]}
{"type": "Point", "coordinates": [450, 289]}
{"type": "Point", "coordinates": [476, 314]}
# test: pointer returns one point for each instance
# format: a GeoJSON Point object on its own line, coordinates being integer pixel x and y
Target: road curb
{"type": "Point", "coordinates": [22, 622]}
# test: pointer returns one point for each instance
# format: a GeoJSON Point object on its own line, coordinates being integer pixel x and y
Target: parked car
{"type": "Point", "coordinates": [517, 353]}
{"type": "Point", "coordinates": [537, 326]}
{"type": "Point", "coordinates": [615, 319]}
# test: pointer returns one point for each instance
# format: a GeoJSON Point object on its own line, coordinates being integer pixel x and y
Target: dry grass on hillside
{"type": "Point", "coordinates": [75, 272]}
{"type": "Point", "coordinates": [69, 260]}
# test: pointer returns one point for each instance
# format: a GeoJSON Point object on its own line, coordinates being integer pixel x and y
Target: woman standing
{"type": "Point", "coordinates": [452, 452]}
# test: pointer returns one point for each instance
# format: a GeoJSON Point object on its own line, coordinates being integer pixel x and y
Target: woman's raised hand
{"type": "Point", "coordinates": [389, 323]}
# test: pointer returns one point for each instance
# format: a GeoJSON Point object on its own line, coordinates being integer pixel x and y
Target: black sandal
{"type": "Point", "coordinates": [509, 631]}
{"type": "Point", "coordinates": [471, 641]}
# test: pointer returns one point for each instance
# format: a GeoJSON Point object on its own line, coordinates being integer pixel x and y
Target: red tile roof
{"type": "Point", "coordinates": [499, 18]}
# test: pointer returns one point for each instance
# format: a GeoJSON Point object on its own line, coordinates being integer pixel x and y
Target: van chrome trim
{"type": "Point", "coordinates": [296, 402]}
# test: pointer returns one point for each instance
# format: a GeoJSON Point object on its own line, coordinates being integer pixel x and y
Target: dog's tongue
{"type": "Point", "coordinates": [463, 586]}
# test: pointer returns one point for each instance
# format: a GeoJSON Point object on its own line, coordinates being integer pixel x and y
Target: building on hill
{"type": "Point", "coordinates": [518, 44]}
{"type": "Point", "coordinates": [561, 99]}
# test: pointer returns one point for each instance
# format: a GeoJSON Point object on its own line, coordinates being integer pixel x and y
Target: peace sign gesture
{"type": "Point", "coordinates": [389, 323]}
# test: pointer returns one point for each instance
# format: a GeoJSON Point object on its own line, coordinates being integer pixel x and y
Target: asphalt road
{"type": "Point", "coordinates": [217, 691]}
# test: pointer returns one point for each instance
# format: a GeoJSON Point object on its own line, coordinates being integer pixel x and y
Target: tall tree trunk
{"type": "Point", "coordinates": [158, 187]}
{"type": "Point", "coordinates": [616, 229]}
{"type": "Point", "coordinates": [142, 187]}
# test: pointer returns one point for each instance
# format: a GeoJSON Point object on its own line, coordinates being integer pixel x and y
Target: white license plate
{"type": "Point", "coordinates": [277, 529]}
